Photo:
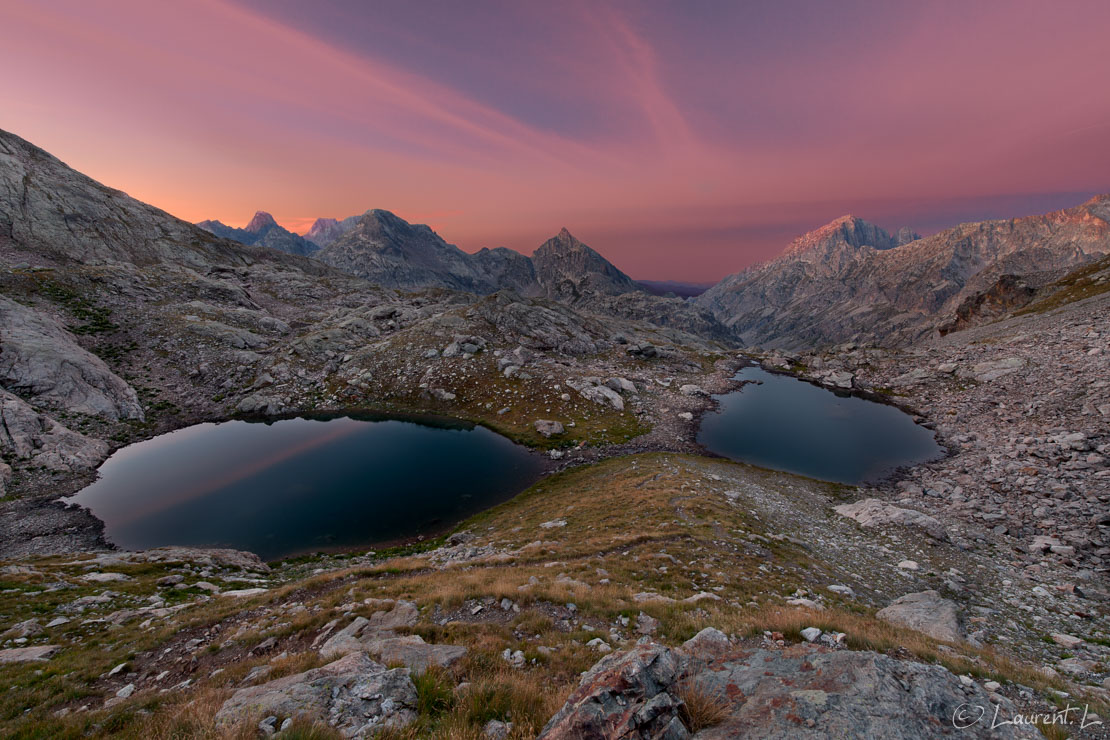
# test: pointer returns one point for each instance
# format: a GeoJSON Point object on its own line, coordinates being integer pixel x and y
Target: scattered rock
{"type": "Point", "coordinates": [549, 428]}
{"type": "Point", "coordinates": [1068, 641]}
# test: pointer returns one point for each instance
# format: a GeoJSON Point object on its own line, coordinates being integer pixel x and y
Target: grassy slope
{"type": "Point", "coordinates": [668, 524]}
{"type": "Point", "coordinates": [1085, 282]}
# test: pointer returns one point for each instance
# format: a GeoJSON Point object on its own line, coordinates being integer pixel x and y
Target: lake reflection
{"type": "Point", "coordinates": [300, 485]}
{"type": "Point", "coordinates": [783, 423]}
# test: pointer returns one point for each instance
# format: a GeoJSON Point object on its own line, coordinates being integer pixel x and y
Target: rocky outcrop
{"type": "Point", "coordinates": [625, 695]}
{"type": "Point", "coordinates": [1008, 294]}
{"type": "Point", "coordinates": [27, 654]}
{"type": "Point", "coordinates": [26, 434]}
{"type": "Point", "coordinates": [263, 231]}
{"type": "Point", "coordinates": [219, 557]}
{"type": "Point", "coordinates": [377, 636]}
{"type": "Point", "coordinates": [354, 694]}
{"type": "Point", "coordinates": [803, 691]}
{"type": "Point", "coordinates": [670, 312]}
{"type": "Point", "coordinates": [539, 325]}
{"type": "Point", "coordinates": [41, 361]}
{"type": "Point", "coordinates": [850, 281]}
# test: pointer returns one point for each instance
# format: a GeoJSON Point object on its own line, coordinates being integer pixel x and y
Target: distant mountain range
{"type": "Point", "coordinates": [677, 287]}
{"type": "Point", "coordinates": [849, 280]}
{"type": "Point", "coordinates": [263, 231]}
{"type": "Point", "coordinates": [389, 251]}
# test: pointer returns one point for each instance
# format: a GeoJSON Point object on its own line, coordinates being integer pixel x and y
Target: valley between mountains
{"type": "Point", "coordinates": [642, 588]}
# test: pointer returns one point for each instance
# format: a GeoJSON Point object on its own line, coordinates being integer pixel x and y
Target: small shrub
{"type": "Point", "coordinates": [435, 691]}
{"type": "Point", "coordinates": [701, 708]}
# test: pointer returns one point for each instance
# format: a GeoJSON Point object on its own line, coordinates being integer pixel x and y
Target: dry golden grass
{"type": "Point", "coordinates": [701, 708]}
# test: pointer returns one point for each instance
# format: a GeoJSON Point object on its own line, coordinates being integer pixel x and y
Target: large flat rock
{"type": "Point", "coordinates": [926, 612]}
{"type": "Point", "coordinates": [25, 654]}
{"type": "Point", "coordinates": [871, 512]}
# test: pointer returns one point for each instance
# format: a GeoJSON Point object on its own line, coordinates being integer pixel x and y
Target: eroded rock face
{"type": "Point", "coordinates": [354, 694]}
{"type": "Point", "coordinates": [803, 691]}
{"type": "Point", "coordinates": [40, 360]}
{"type": "Point", "coordinates": [28, 435]}
{"type": "Point", "coordinates": [872, 512]}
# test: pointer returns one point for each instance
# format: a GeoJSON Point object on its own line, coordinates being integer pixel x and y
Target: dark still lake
{"type": "Point", "coordinates": [303, 485]}
{"type": "Point", "coordinates": [783, 423]}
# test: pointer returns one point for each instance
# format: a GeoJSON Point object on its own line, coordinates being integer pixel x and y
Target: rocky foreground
{"type": "Point", "coordinates": [641, 589]}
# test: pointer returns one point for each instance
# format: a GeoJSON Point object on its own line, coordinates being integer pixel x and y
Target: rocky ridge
{"type": "Point", "coordinates": [850, 281]}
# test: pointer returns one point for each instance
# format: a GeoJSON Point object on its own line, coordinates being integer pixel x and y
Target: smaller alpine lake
{"type": "Point", "coordinates": [302, 485]}
{"type": "Point", "coordinates": [782, 423]}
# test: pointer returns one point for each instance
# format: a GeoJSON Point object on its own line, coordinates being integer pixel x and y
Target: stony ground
{"type": "Point", "coordinates": [1023, 407]}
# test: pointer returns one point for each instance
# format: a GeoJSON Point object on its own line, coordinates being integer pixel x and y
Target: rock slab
{"type": "Point", "coordinates": [871, 512]}
{"type": "Point", "coordinates": [803, 691]}
{"type": "Point", "coordinates": [354, 694]}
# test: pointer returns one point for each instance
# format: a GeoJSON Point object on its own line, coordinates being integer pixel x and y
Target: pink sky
{"type": "Point", "coordinates": [683, 141]}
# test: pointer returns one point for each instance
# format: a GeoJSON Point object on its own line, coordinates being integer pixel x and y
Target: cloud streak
{"type": "Point", "coordinates": [654, 131]}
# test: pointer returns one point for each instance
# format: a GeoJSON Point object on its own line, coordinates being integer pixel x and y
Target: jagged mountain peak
{"type": "Point", "coordinates": [564, 241]}
{"type": "Point", "coordinates": [262, 231]}
{"type": "Point", "coordinates": [382, 224]}
{"type": "Point", "coordinates": [322, 223]}
{"type": "Point", "coordinates": [847, 229]}
{"type": "Point", "coordinates": [326, 230]}
{"type": "Point", "coordinates": [905, 235]}
{"type": "Point", "coordinates": [563, 262]}
{"type": "Point", "coordinates": [262, 220]}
